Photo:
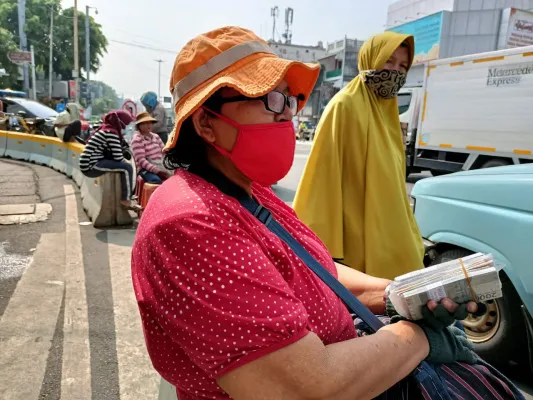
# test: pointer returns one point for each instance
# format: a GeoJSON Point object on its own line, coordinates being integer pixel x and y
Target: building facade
{"type": "Point", "coordinates": [404, 11]}
{"type": "Point", "coordinates": [340, 62]}
{"type": "Point", "coordinates": [308, 54]}
{"type": "Point", "coordinates": [338, 68]}
{"type": "Point", "coordinates": [460, 27]}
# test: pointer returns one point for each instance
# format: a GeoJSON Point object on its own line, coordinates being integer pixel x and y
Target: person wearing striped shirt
{"type": "Point", "coordinates": [147, 150]}
{"type": "Point", "coordinates": [104, 152]}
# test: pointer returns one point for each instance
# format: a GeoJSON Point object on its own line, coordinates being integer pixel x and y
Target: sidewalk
{"type": "Point", "coordinates": [69, 323]}
{"type": "Point", "coordinates": [19, 198]}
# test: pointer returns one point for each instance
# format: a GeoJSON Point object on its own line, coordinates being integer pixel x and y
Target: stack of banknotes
{"type": "Point", "coordinates": [472, 278]}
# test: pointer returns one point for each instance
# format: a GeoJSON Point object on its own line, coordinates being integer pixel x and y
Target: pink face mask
{"type": "Point", "coordinates": [262, 152]}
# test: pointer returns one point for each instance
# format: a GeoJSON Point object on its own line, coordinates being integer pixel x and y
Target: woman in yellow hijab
{"type": "Point", "coordinates": [352, 193]}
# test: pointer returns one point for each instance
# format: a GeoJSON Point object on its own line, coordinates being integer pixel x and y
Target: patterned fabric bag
{"type": "Point", "coordinates": [454, 381]}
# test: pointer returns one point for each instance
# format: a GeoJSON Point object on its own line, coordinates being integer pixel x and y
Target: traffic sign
{"type": "Point", "coordinates": [130, 106]}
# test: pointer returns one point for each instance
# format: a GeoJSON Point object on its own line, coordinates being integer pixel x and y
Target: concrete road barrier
{"type": "Point", "coordinates": [41, 149]}
{"type": "Point", "coordinates": [101, 201]}
{"type": "Point", "coordinates": [18, 147]}
{"type": "Point", "coordinates": [59, 158]}
{"type": "Point", "coordinates": [3, 142]}
{"type": "Point", "coordinates": [73, 165]}
{"type": "Point", "coordinates": [100, 196]}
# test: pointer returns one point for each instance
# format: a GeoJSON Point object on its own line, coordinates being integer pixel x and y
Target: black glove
{"type": "Point", "coordinates": [449, 345]}
{"type": "Point", "coordinates": [438, 319]}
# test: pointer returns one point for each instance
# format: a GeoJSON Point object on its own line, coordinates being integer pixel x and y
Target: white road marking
{"type": "Point", "coordinates": [137, 377]}
{"type": "Point", "coordinates": [76, 372]}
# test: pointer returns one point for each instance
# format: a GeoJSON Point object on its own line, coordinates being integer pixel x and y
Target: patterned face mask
{"type": "Point", "coordinates": [384, 82]}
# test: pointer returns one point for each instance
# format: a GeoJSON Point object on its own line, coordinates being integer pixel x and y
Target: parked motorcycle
{"type": "Point", "coordinates": [19, 123]}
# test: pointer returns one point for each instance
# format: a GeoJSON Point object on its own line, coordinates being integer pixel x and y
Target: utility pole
{"type": "Point", "coordinates": [87, 44]}
{"type": "Point", "coordinates": [33, 78]}
{"type": "Point", "coordinates": [274, 12]}
{"type": "Point", "coordinates": [23, 39]}
{"type": "Point", "coordinates": [51, 61]}
{"type": "Point", "coordinates": [75, 73]}
{"type": "Point", "coordinates": [159, 80]}
{"type": "Point", "coordinates": [88, 50]}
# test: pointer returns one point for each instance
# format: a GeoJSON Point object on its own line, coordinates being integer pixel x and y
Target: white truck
{"type": "Point", "coordinates": [472, 112]}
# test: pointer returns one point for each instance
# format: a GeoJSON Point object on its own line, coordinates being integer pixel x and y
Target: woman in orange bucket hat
{"type": "Point", "coordinates": [231, 307]}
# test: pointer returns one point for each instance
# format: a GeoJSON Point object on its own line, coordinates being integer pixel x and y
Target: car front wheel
{"type": "Point", "coordinates": [499, 335]}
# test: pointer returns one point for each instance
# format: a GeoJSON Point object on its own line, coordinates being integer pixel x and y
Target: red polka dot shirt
{"type": "Point", "coordinates": [216, 289]}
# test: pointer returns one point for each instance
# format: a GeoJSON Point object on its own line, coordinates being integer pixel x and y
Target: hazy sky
{"type": "Point", "coordinates": [169, 24]}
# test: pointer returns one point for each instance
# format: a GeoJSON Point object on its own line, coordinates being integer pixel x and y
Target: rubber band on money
{"type": "Point", "coordinates": [472, 292]}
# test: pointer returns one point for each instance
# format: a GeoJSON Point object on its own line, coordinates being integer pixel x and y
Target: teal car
{"type": "Point", "coordinates": [490, 211]}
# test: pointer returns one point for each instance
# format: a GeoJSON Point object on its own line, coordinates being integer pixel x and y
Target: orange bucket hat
{"type": "Point", "coordinates": [232, 57]}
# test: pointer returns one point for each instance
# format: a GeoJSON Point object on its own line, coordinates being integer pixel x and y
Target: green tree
{"type": "Point", "coordinates": [38, 33]}
{"type": "Point", "coordinates": [103, 106]}
{"type": "Point", "coordinates": [64, 43]}
{"type": "Point", "coordinates": [106, 99]}
{"type": "Point", "coordinates": [7, 44]}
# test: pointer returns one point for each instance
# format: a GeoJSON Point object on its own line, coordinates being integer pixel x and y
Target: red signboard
{"type": "Point", "coordinates": [19, 57]}
{"type": "Point", "coordinates": [72, 89]}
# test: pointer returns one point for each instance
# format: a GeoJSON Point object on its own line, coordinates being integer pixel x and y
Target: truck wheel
{"type": "Point", "coordinates": [495, 163]}
{"type": "Point", "coordinates": [499, 335]}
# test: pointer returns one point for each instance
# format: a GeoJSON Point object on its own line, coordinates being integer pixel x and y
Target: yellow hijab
{"type": "Point", "coordinates": [352, 193]}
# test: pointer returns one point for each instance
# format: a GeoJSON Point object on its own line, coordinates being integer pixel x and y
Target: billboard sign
{"type": "Point", "coordinates": [427, 32]}
{"type": "Point", "coordinates": [520, 29]}
{"type": "Point", "coordinates": [19, 57]}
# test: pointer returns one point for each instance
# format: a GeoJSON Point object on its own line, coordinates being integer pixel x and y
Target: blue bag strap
{"type": "Point", "coordinates": [352, 302]}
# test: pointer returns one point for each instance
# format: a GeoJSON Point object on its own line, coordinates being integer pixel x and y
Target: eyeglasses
{"type": "Point", "coordinates": [274, 101]}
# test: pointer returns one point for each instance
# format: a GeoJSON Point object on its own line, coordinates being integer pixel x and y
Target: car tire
{"type": "Point", "coordinates": [499, 336]}
{"type": "Point", "coordinates": [495, 163]}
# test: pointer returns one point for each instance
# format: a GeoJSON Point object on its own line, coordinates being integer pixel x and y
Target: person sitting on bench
{"type": "Point", "coordinates": [148, 151]}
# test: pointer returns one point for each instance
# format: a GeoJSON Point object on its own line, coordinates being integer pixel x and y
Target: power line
{"type": "Point", "coordinates": [143, 46]}
{"type": "Point", "coordinates": [143, 65]}
{"type": "Point", "coordinates": [140, 63]}
{"type": "Point", "coordinates": [152, 41]}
